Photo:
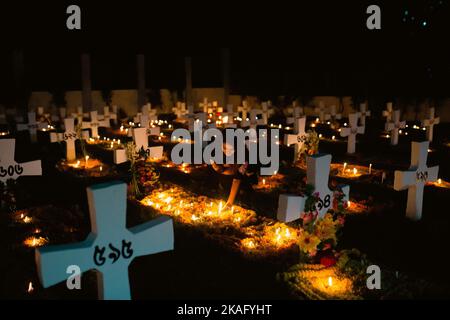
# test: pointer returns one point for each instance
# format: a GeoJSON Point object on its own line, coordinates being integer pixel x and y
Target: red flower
{"type": "Point", "coordinates": [328, 261]}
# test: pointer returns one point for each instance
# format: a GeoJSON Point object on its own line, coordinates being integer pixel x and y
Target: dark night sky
{"type": "Point", "coordinates": [311, 49]}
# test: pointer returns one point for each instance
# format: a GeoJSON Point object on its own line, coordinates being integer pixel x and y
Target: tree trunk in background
{"type": "Point", "coordinates": [142, 96]}
{"type": "Point", "coordinates": [86, 82]}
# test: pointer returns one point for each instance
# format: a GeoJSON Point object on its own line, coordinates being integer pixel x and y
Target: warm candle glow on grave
{"type": "Point", "coordinates": [318, 282]}
{"type": "Point", "coordinates": [192, 209]}
{"type": "Point", "coordinates": [30, 287]}
{"type": "Point", "coordinates": [33, 242]}
{"type": "Point", "coordinates": [440, 184]}
{"type": "Point", "coordinates": [270, 237]}
{"type": "Point", "coordinates": [351, 171]}
{"type": "Point", "coordinates": [269, 182]}
{"type": "Point", "coordinates": [4, 133]}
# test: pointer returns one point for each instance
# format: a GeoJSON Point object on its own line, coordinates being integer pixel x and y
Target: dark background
{"type": "Point", "coordinates": [293, 48]}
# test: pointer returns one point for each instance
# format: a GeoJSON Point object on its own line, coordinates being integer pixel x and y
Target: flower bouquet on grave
{"type": "Point", "coordinates": [144, 176]}
{"type": "Point", "coordinates": [310, 147]}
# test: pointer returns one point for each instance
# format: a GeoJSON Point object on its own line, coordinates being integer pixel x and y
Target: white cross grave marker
{"type": "Point", "coordinates": [364, 112]}
{"type": "Point", "coordinates": [197, 117]}
{"type": "Point", "coordinates": [9, 168]}
{"type": "Point", "coordinates": [415, 178]}
{"type": "Point", "coordinates": [290, 207]}
{"type": "Point", "coordinates": [69, 136]}
{"type": "Point", "coordinates": [394, 126]}
{"type": "Point", "coordinates": [429, 123]}
{"type": "Point", "coordinates": [32, 126]}
{"type": "Point", "coordinates": [244, 109]}
{"type": "Point", "coordinates": [79, 114]}
{"type": "Point", "coordinates": [110, 247]}
{"type": "Point", "coordinates": [298, 138]}
{"type": "Point", "coordinates": [140, 138]}
{"type": "Point", "coordinates": [94, 124]}
{"type": "Point", "coordinates": [351, 132]}
{"type": "Point", "coordinates": [228, 117]}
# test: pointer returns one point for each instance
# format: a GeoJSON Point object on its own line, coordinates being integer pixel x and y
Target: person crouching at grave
{"type": "Point", "coordinates": [241, 174]}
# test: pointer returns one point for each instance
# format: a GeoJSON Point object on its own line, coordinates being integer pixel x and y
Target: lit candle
{"type": "Point", "coordinates": [330, 281]}
{"type": "Point", "coordinates": [220, 207]}
{"type": "Point", "coordinates": [370, 168]}
{"type": "Point", "coordinates": [333, 137]}
{"type": "Point", "coordinates": [345, 166]}
{"type": "Point", "coordinates": [355, 171]}
{"type": "Point", "coordinates": [30, 287]}
{"type": "Point", "coordinates": [264, 181]}
{"type": "Point", "coordinates": [439, 181]}
{"type": "Point", "coordinates": [86, 161]}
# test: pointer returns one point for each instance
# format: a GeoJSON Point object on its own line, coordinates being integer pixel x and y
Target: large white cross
{"type": "Point", "coordinates": [69, 136]}
{"type": "Point", "coordinates": [415, 179]}
{"type": "Point", "coordinates": [94, 124]}
{"type": "Point", "coordinates": [429, 123]}
{"type": "Point", "coordinates": [9, 168]}
{"type": "Point", "coordinates": [363, 112]}
{"type": "Point", "coordinates": [32, 126]}
{"type": "Point", "coordinates": [352, 131]}
{"type": "Point", "coordinates": [180, 110]}
{"type": "Point", "coordinates": [110, 247]}
{"type": "Point", "coordinates": [140, 139]}
{"type": "Point", "coordinates": [290, 207]}
{"type": "Point", "coordinates": [298, 138]}
{"type": "Point", "coordinates": [388, 112]}
{"type": "Point", "coordinates": [394, 126]}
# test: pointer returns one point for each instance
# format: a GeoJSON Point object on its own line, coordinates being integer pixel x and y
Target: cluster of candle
{"type": "Point", "coordinates": [34, 242]}
{"type": "Point", "coordinates": [4, 133]}
{"type": "Point", "coordinates": [318, 282]}
{"type": "Point", "coordinates": [192, 209]}
{"type": "Point", "coordinates": [21, 217]}
{"type": "Point", "coordinates": [49, 128]}
{"type": "Point", "coordinates": [106, 142]}
{"type": "Point", "coordinates": [355, 171]}
{"type": "Point", "coordinates": [269, 237]}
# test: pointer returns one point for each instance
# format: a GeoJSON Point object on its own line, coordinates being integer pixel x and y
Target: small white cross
{"type": "Point", "coordinates": [69, 136]}
{"type": "Point", "coordinates": [429, 123]}
{"type": "Point", "coordinates": [298, 138]}
{"type": "Point", "coordinates": [320, 110]}
{"type": "Point", "coordinates": [94, 124]}
{"type": "Point", "coordinates": [110, 247]}
{"type": "Point", "coordinates": [388, 112]}
{"type": "Point", "coordinates": [363, 113]}
{"type": "Point", "coordinates": [79, 115]}
{"type": "Point", "coordinates": [394, 126]}
{"type": "Point", "coordinates": [333, 115]}
{"type": "Point", "coordinates": [32, 126]}
{"type": "Point", "coordinates": [415, 178]}
{"type": "Point", "coordinates": [351, 132]}
{"type": "Point", "coordinates": [140, 139]}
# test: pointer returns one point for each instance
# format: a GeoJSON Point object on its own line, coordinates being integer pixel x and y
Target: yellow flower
{"type": "Point", "coordinates": [308, 242]}
{"type": "Point", "coordinates": [325, 228]}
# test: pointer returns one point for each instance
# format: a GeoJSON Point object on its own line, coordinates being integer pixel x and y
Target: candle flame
{"type": "Point", "coordinates": [30, 287]}
{"type": "Point", "coordinates": [330, 281]}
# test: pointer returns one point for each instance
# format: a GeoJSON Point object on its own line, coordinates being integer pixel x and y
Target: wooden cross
{"type": "Point", "coordinates": [415, 179]}
{"type": "Point", "coordinates": [351, 132]}
{"type": "Point", "coordinates": [110, 247]}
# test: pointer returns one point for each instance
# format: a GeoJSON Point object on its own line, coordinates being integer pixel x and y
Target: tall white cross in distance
{"type": "Point", "coordinates": [298, 138]}
{"type": "Point", "coordinates": [9, 168]}
{"type": "Point", "coordinates": [429, 123]}
{"type": "Point", "coordinates": [364, 113]}
{"type": "Point", "coordinates": [333, 115]}
{"type": "Point", "coordinates": [415, 178]}
{"type": "Point", "coordinates": [110, 247]}
{"type": "Point", "coordinates": [351, 132]}
{"type": "Point", "coordinates": [394, 126]}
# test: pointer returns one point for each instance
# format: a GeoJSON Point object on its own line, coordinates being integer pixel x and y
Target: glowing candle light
{"type": "Point", "coordinates": [370, 168]}
{"type": "Point", "coordinates": [439, 181]}
{"type": "Point", "coordinates": [333, 138]}
{"type": "Point", "coordinates": [220, 207]}
{"type": "Point", "coordinates": [330, 281]}
{"type": "Point", "coordinates": [30, 287]}
{"type": "Point", "coordinates": [86, 161]}
{"type": "Point", "coordinates": [101, 168]}
{"type": "Point", "coordinates": [345, 166]}
{"type": "Point", "coordinates": [264, 181]}
{"type": "Point", "coordinates": [355, 171]}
